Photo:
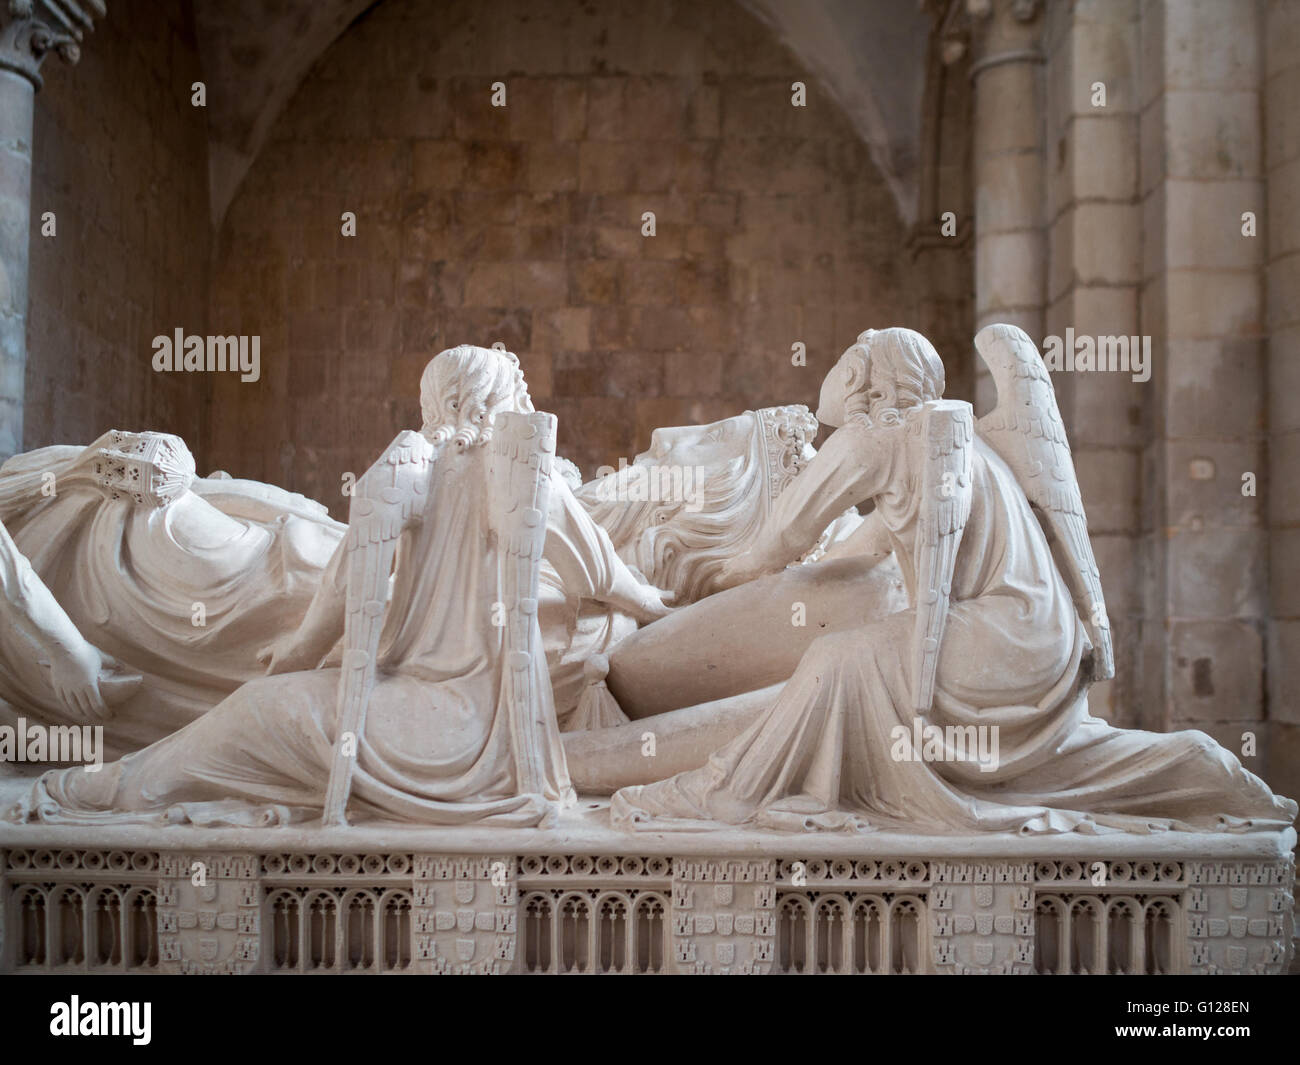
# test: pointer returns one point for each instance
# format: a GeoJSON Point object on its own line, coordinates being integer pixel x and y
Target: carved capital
{"type": "Point", "coordinates": [32, 29]}
{"type": "Point", "coordinates": [998, 30]}
{"type": "Point", "coordinates": [1017, 10]}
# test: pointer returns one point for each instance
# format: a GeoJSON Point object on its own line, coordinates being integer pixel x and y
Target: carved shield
{"type": "Point", "coordinates": [725, 953]}
{"type": "Point", "coordinates": [208, 949]}
{"type": "Point", "coordinates": [207, 920]}
{"type": "Point", "coordinates": [465, 949]}
{"type": "Point", "coordinates": [984, 894]}
{"type": "Point", "coordinates": [723, 894]}
{"type": "Point", "coordinates": [464, 891]}
{"type": "Point", "coordinates": [983, 953]}
{"type": "Point", "coordinates": [1237, 927]}
{"type": "Point", "coordinates": [465, 920]}
{"type": "Point", "coordinates": [1236, 958]}
{"type": "Point", "coordinates": [724, 924]}
{"type": "Point", "coordinates": [984, 923]}
{"type": "Point", "coordinates": [1238, 897]}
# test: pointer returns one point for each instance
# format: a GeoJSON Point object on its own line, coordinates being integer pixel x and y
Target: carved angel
{"type": "Point", "coordinates": [441, 711]}
{"type": "Point", "coordinates": [967, 710]}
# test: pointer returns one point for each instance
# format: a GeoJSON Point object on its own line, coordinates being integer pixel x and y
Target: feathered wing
{"type": "Point", "coordinates": [1026, 430]}
{"type": "Point", "coordinates": [946, 435]}
{"type": "Point", "coordinates": [522, 453]}
{"type": "Point", "coordinates": [386, 499]}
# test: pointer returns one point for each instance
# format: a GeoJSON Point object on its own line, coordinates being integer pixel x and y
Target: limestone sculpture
{"type": "Point", "coordinates": [191, 587]}
{"type": "Point", "coordinates": [488, 649]}
{"type": "Point", "coordinates": [996, 645]}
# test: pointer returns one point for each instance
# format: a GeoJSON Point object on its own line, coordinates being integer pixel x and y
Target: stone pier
{"type": "Point", "coordinates": [29, 31]}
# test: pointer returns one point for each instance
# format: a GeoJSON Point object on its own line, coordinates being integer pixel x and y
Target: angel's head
{"type": "Point", "coordinates": [886, 372]}
{"type": "Point", "coordinates": [464, 388]}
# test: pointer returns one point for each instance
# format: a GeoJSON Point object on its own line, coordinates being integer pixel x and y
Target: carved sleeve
{"type": "Point", "coordinates": [854, 465]}
{"type": "Point", "coordinates": [577, 547]}
{"type": "Point", "coordinates": [27, 605]}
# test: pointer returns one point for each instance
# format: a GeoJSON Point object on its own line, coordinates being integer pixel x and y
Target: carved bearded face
{"type": "Point", "coordinates": [709, 446]}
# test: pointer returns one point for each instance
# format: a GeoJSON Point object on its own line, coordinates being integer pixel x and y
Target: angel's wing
{"type": "Point", "coordinates": [1026, 430]}
{"type": "Point", "coordinates": [385, 500]}
{"type": "Point", "coordinates": [946, 435]}
{"type": "Point", "coordinates": [522, 452]}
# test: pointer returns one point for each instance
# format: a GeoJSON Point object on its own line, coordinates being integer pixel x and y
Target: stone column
{"type": "Point", "coordinates": [1093, 220]}
{"type": "Point", "coordinates": [29, 31]}
{"type": "Point", "coordinates": [1282, 230]}
{"type": "Point", "coordinates": [1202, 180]}
{"type": "Point", "coordinates": [1007, 153]}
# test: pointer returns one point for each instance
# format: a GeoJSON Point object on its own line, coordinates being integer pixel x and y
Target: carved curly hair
{"type": "Point", "coordinates": [463, 387]}
{"type": "Point", "coordinates": [902, 356]}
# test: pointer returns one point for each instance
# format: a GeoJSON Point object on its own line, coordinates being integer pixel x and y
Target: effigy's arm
{"type": "Point", "coordinates": [584, 558]}
{"type": "Point", "coordinates": [322, 625]}
{"type": "Point", "coordinates": [29, 608]}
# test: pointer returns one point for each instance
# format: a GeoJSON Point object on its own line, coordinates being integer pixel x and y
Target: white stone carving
{"type": "Point", "coordinates": [401, 708]}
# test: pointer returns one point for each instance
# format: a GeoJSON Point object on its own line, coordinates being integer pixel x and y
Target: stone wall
{"type": "Point", "coordinates": [121, 159]}
{"type": "Point", "coordinates": [1094, 226]}
{"type": "Point", "coordinates": [523, 224]}
{"type": "Point", "coordinates": [1148, 194]}
{"type": "Point", "coordinates": [1203, 304]}
{"type": "Point", "coordinates": [1281, 161]}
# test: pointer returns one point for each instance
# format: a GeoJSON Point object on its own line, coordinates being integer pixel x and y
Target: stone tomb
{"type": "Point", "coordinates": [581, 898]}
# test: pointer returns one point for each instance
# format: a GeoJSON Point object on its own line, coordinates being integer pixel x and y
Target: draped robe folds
{"type": "Point", "coordinates": [436, 747]}
{"type": "Point", "coordinates": [189, 617]}
{"type": "Point", "coordinates": [578, 570]}
{"type": "Point", "coordinates": [131, 585]}
{"type": "Point", "coordinates": [826, 754]}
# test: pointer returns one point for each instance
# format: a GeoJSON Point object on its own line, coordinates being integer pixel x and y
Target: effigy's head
{"type": "Point", "coordinates": [885, 372]}
{"type": "Point", "coordinates": [700, 493]}
{"type": "Point", "coordinates": [464, 388]}
{"type": "Point", "coordinates": [151, 469]}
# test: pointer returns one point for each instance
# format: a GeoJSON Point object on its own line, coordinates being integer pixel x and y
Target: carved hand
{"type": "Point", "coordinates": [74, 675]}
{"type": "Point", "coordinates": [737, 570]}
{"type": "Point", "coordinates": [291, 654]}
{"type": "Point", "coordinates": [644, 602]}
{"type": "Point", "coordinates": [651, 604]}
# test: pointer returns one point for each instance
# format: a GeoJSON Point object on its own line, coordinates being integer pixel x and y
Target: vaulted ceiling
{"type": "Point", "coordinates": [868, 55]}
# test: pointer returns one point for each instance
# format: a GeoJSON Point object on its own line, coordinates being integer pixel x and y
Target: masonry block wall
{"type": "Point", "coordinates": [121, 159]}
{"type": "Point", "coordinates": [1093, 222]}
{"type": "Point", "coordinates": [1281, 162]}
{"type": "Point", "coordinates": [1202, 301]}
{"type": "Point", "coordinates": [523, 224]}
